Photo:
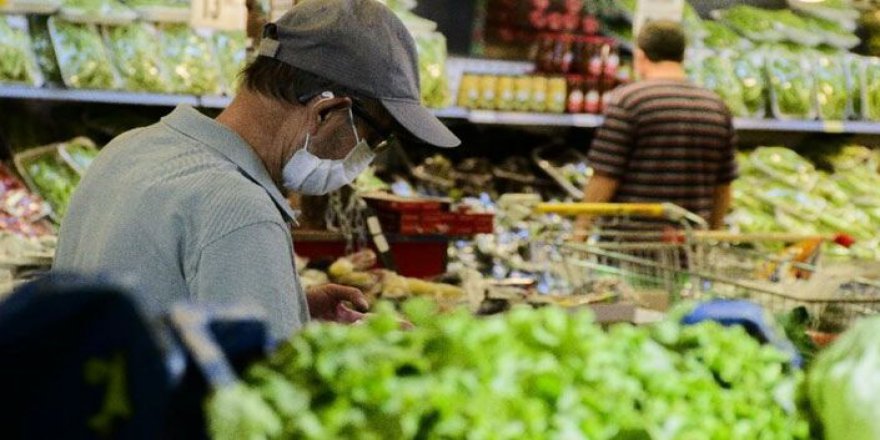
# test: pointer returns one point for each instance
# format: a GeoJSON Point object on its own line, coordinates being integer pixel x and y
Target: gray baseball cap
{"type": "Point", "coordinates": [363, 46]}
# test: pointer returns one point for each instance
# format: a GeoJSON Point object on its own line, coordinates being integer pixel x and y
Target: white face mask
{"type": "Point", "coordinates": [310, 175]}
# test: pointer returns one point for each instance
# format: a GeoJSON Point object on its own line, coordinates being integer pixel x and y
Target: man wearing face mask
{"type": "Point", "coordinates": [194, 208]}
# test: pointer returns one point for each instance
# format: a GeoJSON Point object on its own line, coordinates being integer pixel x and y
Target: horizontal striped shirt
{"type": "Point", "coordinates": [666, 141]}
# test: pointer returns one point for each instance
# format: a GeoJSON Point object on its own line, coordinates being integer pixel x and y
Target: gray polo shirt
{"type": "Point", "coordinates": [187, 211]}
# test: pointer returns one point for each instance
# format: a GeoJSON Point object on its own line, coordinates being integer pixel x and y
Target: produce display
{"type": "Point", "coordinates": [82, 58]}
{"type": "Point", "coordinates": [78, 153]}
{"type": "Point", "coordinates": [231, 56]}
{"type": "Point", "coordinates": [97, 11]}
{"type": "Point", "coordinates": [791, 85]}
{"type": "Point", "coordinates": [832, 88]}
{"type": "Point", "coordinates": [18, 64]}
{"type": "Point", "coordinates": [55, 181]}
{"type": "Point", "coordinates": [191, 60]}
{"type": "Point", "coordinates": [544, 373]}
{"type": "Point", "coordinates": [43, 49]}
{"type": "Point", "coordinates": [780, 191]}
{"type": "Point", "coordinates": [137, 56]}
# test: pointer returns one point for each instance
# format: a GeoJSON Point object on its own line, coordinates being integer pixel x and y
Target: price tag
{"type": "Point", "coordinates": [647, 10]}
{"type": "Point", "coordinates": [226, 15]}
{"type": "Point", "coordinates": [483, 117]}
{"type": "Point", "coordinates": [833, 127]}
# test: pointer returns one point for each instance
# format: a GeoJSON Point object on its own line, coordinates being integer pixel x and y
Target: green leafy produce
{"type": "Point", "coordinates": [45, 53]}
{"type": "Point", "coordinates": [832, 33]}
{"type": "Point", "coordinates": [785, 166]}
{"type": "Point", "coordinates": [843, 384]}
{"type": "Point", "coordinates": [17, 61]}
{"type": "Point", "coordinates": [136, 52]}
{"type": "Point", "coordinates": [871, 90]}
{"type": "Point", "coordinates": [191, 59]}
{"type": "Point", "coordinates": [718, 75]}
{"type": "Point", "coordinates": [719, 36]}
{"type": "Point", "coordinates": [749, 70]}
{"type": "Point", "coordinates": [432, 69]}
{"type": "Point", "coordinates": [832, 91]}
{"type": "Point", "coordinates": [81, 56]}
{"type": "Point", "coordinates": [753, 23]}
{"type": "Point", "coordinates": [231, 55]}
{"type": "Point", "coordinates": [526, 374]}
{"type": "Point", "coordinates": [796, 29]}
{"type": "Point", "coordinates": [854, 74]}
{"type": "Point", "coordinates": [791, 85]}
{"type": "Point", "coordinates": [81, 154]}
{"type": "Point", "coordinates": [55, 181]}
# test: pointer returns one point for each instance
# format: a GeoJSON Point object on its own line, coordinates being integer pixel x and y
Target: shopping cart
{"type": "Point", "coordinates": [688, 262]}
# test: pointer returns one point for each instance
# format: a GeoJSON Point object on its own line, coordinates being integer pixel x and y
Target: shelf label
{"type": "Point", "coordinates": [226, 15]}
{"type": "Point", "coordinates": [483, 117]}
{"type": "Point", "coordinates": [833, 126]}
{"type": "Point", "coordinates": [647, 10]}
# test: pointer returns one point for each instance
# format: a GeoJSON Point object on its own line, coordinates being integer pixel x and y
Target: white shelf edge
{"type": "Point", "coordinates": [101, 96]}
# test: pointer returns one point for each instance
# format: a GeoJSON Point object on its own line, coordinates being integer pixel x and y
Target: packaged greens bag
{"type": "Point", "coordinates": [43, 49]}
{"type": "Point", "coordinates": [432, 68]}
{"type": "Point", "coordinates": [191, 58]}
{"type": "Point", "coordinates": [719, 37]}
{"type": "Point", "coordinates": [82, 58]}
{"type": "Point", "coordinates": [136, 52]}
{"type": "Point", "coordinates": [871, 89]}
{"type": "Point", "coordinates": [753, 23]}
{"type": "Point", "coordinates": [18, 64]}
{"type": "Point", "coordinates": [718, 76]}
{"type": "Point", "coordinates": [791, 85]}
{"type": "Point", "coordinates": [832, 91]}
{"type": "Point", "coordinates": [232, 56]}
{"type": "Point", "coordinates": [795, 29]}
{"type": "Point", "coordinates": [832, 33]}
{"type": "Point", "coordinates": [854, 76]}
{"type": "Point", "coordinates": [749, 70]}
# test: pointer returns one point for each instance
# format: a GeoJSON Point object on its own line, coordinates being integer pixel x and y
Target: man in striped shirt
{"type": "Point", "coordinates": [664, 139]}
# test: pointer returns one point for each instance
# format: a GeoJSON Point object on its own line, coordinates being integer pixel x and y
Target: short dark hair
{"type": "Point", "coordinates": [275, 79]}
{"type": "Point", "coordinates": [662, 40]}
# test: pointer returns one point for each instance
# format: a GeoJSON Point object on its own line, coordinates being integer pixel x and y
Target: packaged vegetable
{"type": "Point", "coordinates": [753, 23]}
{"type": "Point", "coordinates": [843, 385]}
{"type": "Point", "coordinates": [785, 166]}
{"type": "Point", "coordinates": [749, 70]}
{"type": "Point", "coordinates": [49, 176]}
{"type": "Point", "coordinates": [191, 59]}
{"type": "Point", "coordinates": [161, 11]}
{"type": "Point", "coordinates": [97, 12]}
{"type": "Point", "coordinates": [832, 33]}
{"type": "Point", "coordinates": [136, 52]}
{"type": "Point", "coordinates": [795, 29]}
{"type": "Point", "coordinates": [78, 153]}
{"type": "Point", "coordinates": [231, 55]}
{"type": "Point", "coordinates": [854, 76]}
{"type": "Point", "coordinates": [719, 36]}
{"type": "Point", "coordinates": [43, 49]}
{"type": "Point", "coordinates": [791, 85]}
{"type": "Point", "coordinates": [431, 47]}
{"type": "Point", "coordinates": [18, 64]}
{"type": "Point", "coordinates": [832, 91]}
{"type": "Point", "coordinates": [871, 89]}
{"type": "Point", "coordinates": [82, 58]}
{"type": "Point", "coordinates": [838, 11]}
{"type": "Point", "coordinates": [718, 75]}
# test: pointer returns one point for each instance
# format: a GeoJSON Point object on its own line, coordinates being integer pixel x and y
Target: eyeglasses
{"type": "Point", "coordinates": [385, 134]}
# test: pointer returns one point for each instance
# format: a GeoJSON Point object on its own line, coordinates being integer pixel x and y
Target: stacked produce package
{"type": "Point", "coordinates": [781, 191]}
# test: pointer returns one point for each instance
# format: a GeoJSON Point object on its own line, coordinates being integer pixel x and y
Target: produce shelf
{"type": "Point", "coordinates": [102, 96]}
{"type": "Point", "coordinates": [453, 113]}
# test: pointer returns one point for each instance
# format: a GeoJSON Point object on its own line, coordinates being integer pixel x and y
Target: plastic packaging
{"type": "Point", "coordinates": [749, 70]}
{"type": "Point", "coordinates": [135, 52]}
{"type": "Point", "coordinates": [791, 85]}
{"type": "Point", "coordinates": [43, 49]}
{"type": "Point", "coordinates": [78, 153]}
{"type": "Point", "coordinates": [755, 24]}
{"type": "Point", "coordinates": [18, 64]}
{"type": "Point", "coordinates": [720, 36]}
{"type": "Point", "coordinates": [795, 29]}
{"type": "Point", "coordinates": [48, 175]}
{"type": "Point", "coordinates": [161, 11]}
{"type": "Point", "coordinates": [871, 89]}
{"type": "Point", "coordinates": [82, 58]}
{"type": "Point", "coordinates": [431, 47]}
{"type": "Point", "coordinates": [232, 56]}
{"type": "Point", "coordinates": [718, 76]}
{"type": "Point", "coordinates": [191, 60]}
{"type": "Point", "coordinates": [832, 92]}
{"type": "Point", "coordinates": [855, 78]}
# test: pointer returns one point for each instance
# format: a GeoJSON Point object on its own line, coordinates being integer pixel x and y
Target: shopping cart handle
{"type": "Point", "coordinates": [750, 316]}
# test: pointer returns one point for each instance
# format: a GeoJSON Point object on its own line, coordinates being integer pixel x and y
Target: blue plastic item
{"type": "Point", "coordinates": [749, 315]}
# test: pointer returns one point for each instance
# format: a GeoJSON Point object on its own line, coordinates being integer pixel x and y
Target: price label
{"type": "Point", "coordinates": [225, 15]}
{"type": "Point", "coordinates": [647, 10]}
{"type": "Point", "coordinates": [833, 126]}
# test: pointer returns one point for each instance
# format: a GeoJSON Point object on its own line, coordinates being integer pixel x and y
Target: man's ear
{"type": "Point", "coordinates": [319, 107]}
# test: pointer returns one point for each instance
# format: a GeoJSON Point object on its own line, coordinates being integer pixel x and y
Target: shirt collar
{"type": "Point", "coordinates": [230, 145]}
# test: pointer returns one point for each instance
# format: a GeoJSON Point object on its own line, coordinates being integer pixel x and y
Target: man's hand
{"type": "Point", "coordinates": [327, 302]}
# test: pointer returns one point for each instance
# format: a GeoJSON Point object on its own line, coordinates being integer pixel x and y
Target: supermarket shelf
{"type": "Point", "coordinates": [102, 96]}
{"type": "Point", "coordinates": [452, 113]}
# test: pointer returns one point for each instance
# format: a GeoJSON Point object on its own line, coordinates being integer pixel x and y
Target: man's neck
{"type": "Point", "coordinates": [252, 119]}
{"type": "Point", "coordinates": [665, 70]}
